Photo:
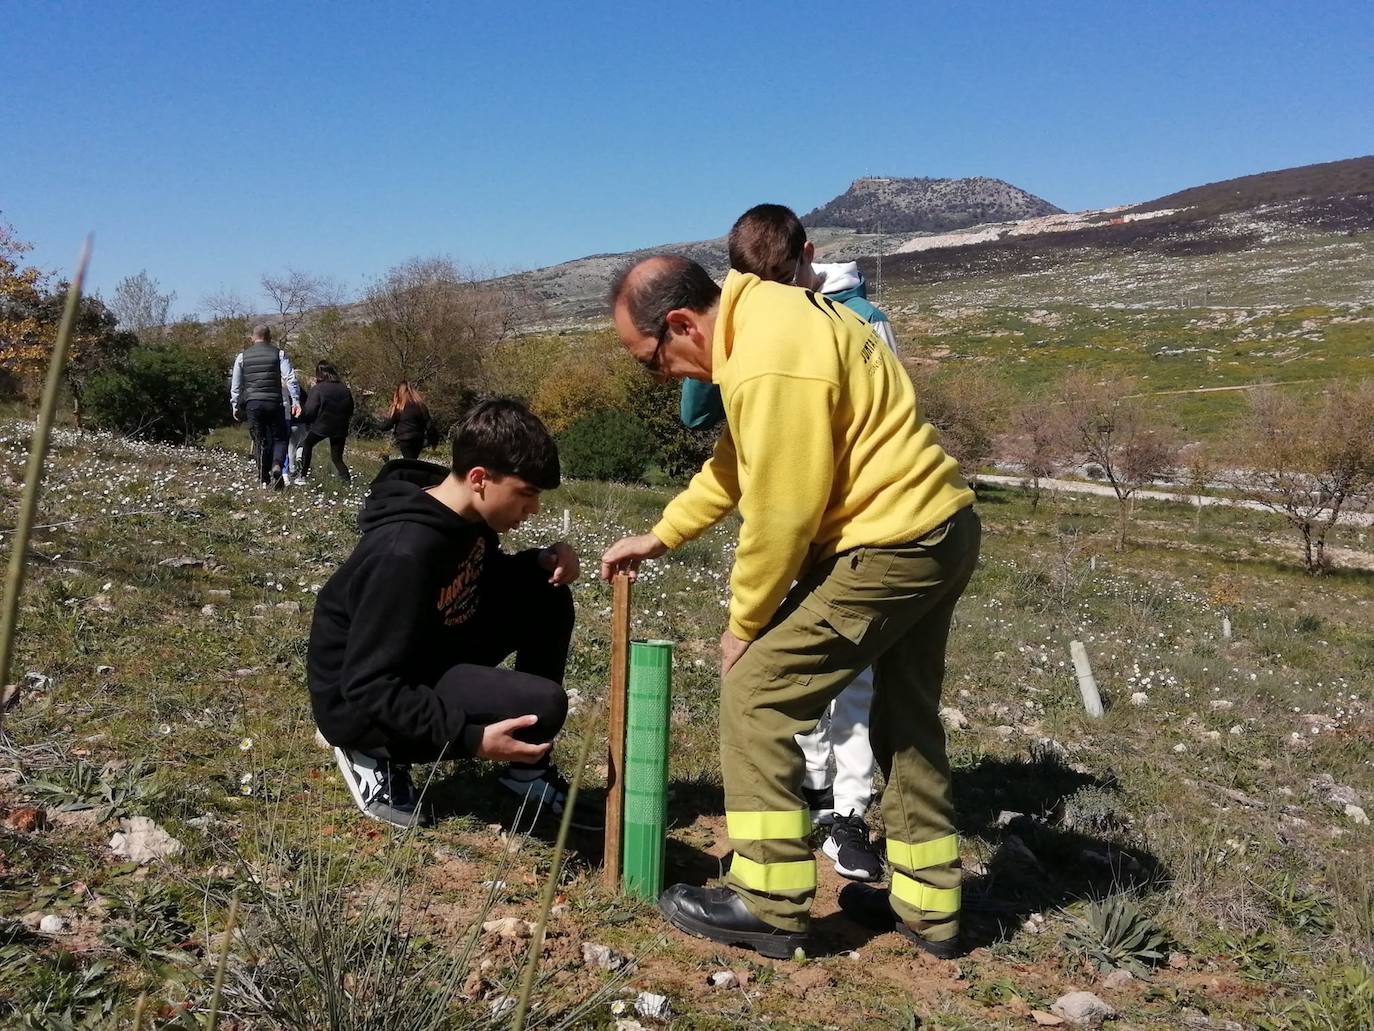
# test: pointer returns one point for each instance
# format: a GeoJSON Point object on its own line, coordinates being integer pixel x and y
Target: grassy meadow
{"type": "Point", "coordinates": [1213, 809]}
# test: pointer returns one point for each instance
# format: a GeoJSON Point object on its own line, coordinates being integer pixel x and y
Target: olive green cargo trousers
{"type": "Point", "coordinates": [888, 607]}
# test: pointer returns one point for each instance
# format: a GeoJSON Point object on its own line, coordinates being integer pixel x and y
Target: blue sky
{"type": "Point", "coordinates": [210, 143]}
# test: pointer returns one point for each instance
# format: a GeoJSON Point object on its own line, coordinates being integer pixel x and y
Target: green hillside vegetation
{"type": "Point", "coordinates": [1190, 359]}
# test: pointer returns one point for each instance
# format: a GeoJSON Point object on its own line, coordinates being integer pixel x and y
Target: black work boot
{"type": "Point", "coordinates": [871, 907]}
{"type": "Point", "coordinates": [719, 915]}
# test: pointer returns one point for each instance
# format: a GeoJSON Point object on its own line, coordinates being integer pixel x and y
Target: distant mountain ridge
{"type": "Point", "coordinates": [923, 205]}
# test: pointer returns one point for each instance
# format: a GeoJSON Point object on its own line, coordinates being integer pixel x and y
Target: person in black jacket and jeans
{"type": "Point", "coordinates": [329, 411]}
{"type": "Point", "coordinates": [407, 634]}
{"type": "Point", "coordinates": [408, 419]}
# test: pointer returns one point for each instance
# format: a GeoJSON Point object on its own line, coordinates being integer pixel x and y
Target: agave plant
{"type": "Point", "coordinates": [1117, 935]}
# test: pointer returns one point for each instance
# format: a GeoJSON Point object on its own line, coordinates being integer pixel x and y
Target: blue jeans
{"type": "Point", "coordinates": [267, 424]}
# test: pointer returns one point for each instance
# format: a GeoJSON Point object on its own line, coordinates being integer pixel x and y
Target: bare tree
{"type": "Point", "coordinates": [1200, 467]}
{"type": "Point", "coordinates": [294, 293]}
{"type": "Point", "coordinates": [431, 324]}
{"type": "Point", "coordinates": [1104, 425]}
{"type": "Point", "coordinates": [1035, 444]}
{"type": "Point", "coordinates": [140, 305]}
{"type": "Point", "coordinates": [1309, 461]}
{"type": "Point", "coordinates": [226, 304]}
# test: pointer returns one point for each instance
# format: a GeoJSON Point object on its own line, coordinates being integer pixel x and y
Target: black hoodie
{"type": "Point", "coordinates": [398, 614]}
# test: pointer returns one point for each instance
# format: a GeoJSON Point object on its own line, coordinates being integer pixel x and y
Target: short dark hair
{"type": "Point", "coordinates": [669, 282]}
{"type": "Point", "coordinates": [262, 332]}
{"type": "Point", "coordinates": [506, 437]}
{"type": "Point", "coordinates": [767, 240]}
{"type": "Point", "coordinates": [326, 373]}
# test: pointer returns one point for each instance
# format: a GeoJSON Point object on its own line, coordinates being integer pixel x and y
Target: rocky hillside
{"type": "Point", "coordinates": [873, 205]}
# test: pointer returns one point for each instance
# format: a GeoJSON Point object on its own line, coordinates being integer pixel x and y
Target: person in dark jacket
{"type": "Point", "coordinates": [408, 420]}
{"type": "Point", "coordinates": [264, 384]}
{"type": "Point", "coordinates": [407, 634]}
{"type": "Point", "coordinates": [329, 411]}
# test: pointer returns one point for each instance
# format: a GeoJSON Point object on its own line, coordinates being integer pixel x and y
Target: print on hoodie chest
{"type": "Point", "coordinates": [458, 601]}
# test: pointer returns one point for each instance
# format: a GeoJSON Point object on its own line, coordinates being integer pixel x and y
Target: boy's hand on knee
{"type": "Point", "coordinates": [500, 743]}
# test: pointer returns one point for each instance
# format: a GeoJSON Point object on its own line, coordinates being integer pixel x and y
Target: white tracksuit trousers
{"type": "Point", "coordinates": [843, 733]}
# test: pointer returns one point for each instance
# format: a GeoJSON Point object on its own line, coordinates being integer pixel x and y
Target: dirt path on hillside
{"type": "Point", "coordinates": [1105, 491]}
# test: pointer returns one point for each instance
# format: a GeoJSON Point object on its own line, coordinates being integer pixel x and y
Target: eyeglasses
{"type": "Point", "coordinates": [650, 364]}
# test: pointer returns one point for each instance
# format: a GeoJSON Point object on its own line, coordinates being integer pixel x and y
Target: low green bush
{"type": "Point", "coordinates": [162, 392]}
{"type": "Point", "coordinates": [607, 445]}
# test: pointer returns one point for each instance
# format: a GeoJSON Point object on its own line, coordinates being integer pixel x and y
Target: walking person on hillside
{"type": "Point", "coordinates": [770, 242]}
{"type": "Point", "coordinates": [329, 411]}
{"type": "Point", "coordinates": [260, 370]}
{"type": "Point", "coordinates": [858, 538]}
{"type": "Point", "coordinates": [408, 420]}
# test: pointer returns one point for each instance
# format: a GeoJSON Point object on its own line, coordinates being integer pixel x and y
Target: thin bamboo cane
{"type": "Point", "coordinates": [33, 477]}
{"type": "Point", "coordinates": [551, 884]}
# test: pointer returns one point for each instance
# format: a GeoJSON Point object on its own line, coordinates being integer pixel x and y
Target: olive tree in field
{"type": "Point", "coordinates": [1309, 461]}
{"type": "Point", "coordinates": [432, 325]}
{"type": "Point", "coordinates": [140, 305]}
{"type": "Point", "coordinates": [968, 405]}
{"type": "Point", "coordinates": [1103, 423]}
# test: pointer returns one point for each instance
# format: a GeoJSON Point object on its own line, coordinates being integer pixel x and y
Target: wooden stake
{"type": "Point", "coordinates": [615, 729]}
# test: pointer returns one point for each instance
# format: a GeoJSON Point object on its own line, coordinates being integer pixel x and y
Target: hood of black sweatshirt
{"type": "Point", "coordinates": [398, 495]}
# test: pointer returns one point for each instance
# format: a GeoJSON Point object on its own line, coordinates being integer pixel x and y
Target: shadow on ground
{"type": "Point", "coordinates": [1055, 835]}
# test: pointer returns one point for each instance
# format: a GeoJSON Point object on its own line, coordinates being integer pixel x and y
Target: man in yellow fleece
{"type": "Point", "coordinates": [842, 487]}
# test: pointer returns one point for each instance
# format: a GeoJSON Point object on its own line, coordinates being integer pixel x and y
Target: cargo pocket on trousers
{"type": "Point", "coordinates": [819, 639]}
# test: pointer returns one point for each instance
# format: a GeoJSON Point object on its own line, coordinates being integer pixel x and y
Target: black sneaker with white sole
{"type": "Point", "coordinates": [547, 789]}
{"type": "Point", "coordinates": [382, 789]}
{"type": "Point", "coordinates": [849, 846]}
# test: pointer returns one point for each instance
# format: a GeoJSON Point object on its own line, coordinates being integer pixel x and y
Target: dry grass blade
{"type": "Point", "coordinates": [223, 960]}
{"type": "Point", "coordinates": [555, 868]}
{"type": "Point", "coordinates": [33, 477]}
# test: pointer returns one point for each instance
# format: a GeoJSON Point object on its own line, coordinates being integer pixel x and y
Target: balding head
{"type": "Point", "coordinates": [664, 309]}
{"type": "Point", "coordinates": [651, 288]}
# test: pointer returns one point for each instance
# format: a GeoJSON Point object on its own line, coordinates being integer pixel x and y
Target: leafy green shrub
{"type": "Point", "coordinates": [164, 393]}
{"type": "Point", "coordinates": [1117, 935]}
{"type": "Point", "coordinates": [606, 445]}
{"type": "Point", "coordinates": [678, 451]}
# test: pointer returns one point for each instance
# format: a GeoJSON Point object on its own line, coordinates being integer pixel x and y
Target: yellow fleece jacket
{"type": "Point", "coordinates": [825, 447]}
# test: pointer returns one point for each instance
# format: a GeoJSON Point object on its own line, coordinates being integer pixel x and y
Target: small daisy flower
{"type": "Point", "coordinates": [245, 744]}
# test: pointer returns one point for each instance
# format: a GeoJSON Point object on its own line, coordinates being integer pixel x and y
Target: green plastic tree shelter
{"type": "Point", "coordinates": [647, 710]}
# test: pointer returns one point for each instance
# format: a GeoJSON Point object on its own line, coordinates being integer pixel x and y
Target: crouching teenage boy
{"type": "Point", "coordinates": [407, 634]}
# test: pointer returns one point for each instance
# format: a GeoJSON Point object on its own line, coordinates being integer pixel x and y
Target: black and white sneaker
{"type": "Point", "coordinates": [821, 802]}
{"type": "Point", "coordinates": [854, 855]}
{"type": "Point", "coordinates": [279, 479]}
{"type": "Point", "coordinates": [546, 788]}
{"type": "Point", "coordinates": [382, 789]}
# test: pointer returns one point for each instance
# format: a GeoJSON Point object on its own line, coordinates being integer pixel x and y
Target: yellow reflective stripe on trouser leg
{"type": "Point", "coordinates": [923, 896]}
{"type": "Point", "coordinates": [927, 853]}
{"type": "Point", "coordinates": [774, 877]}
{"type": "Point", "coordinates": [768, 826]}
